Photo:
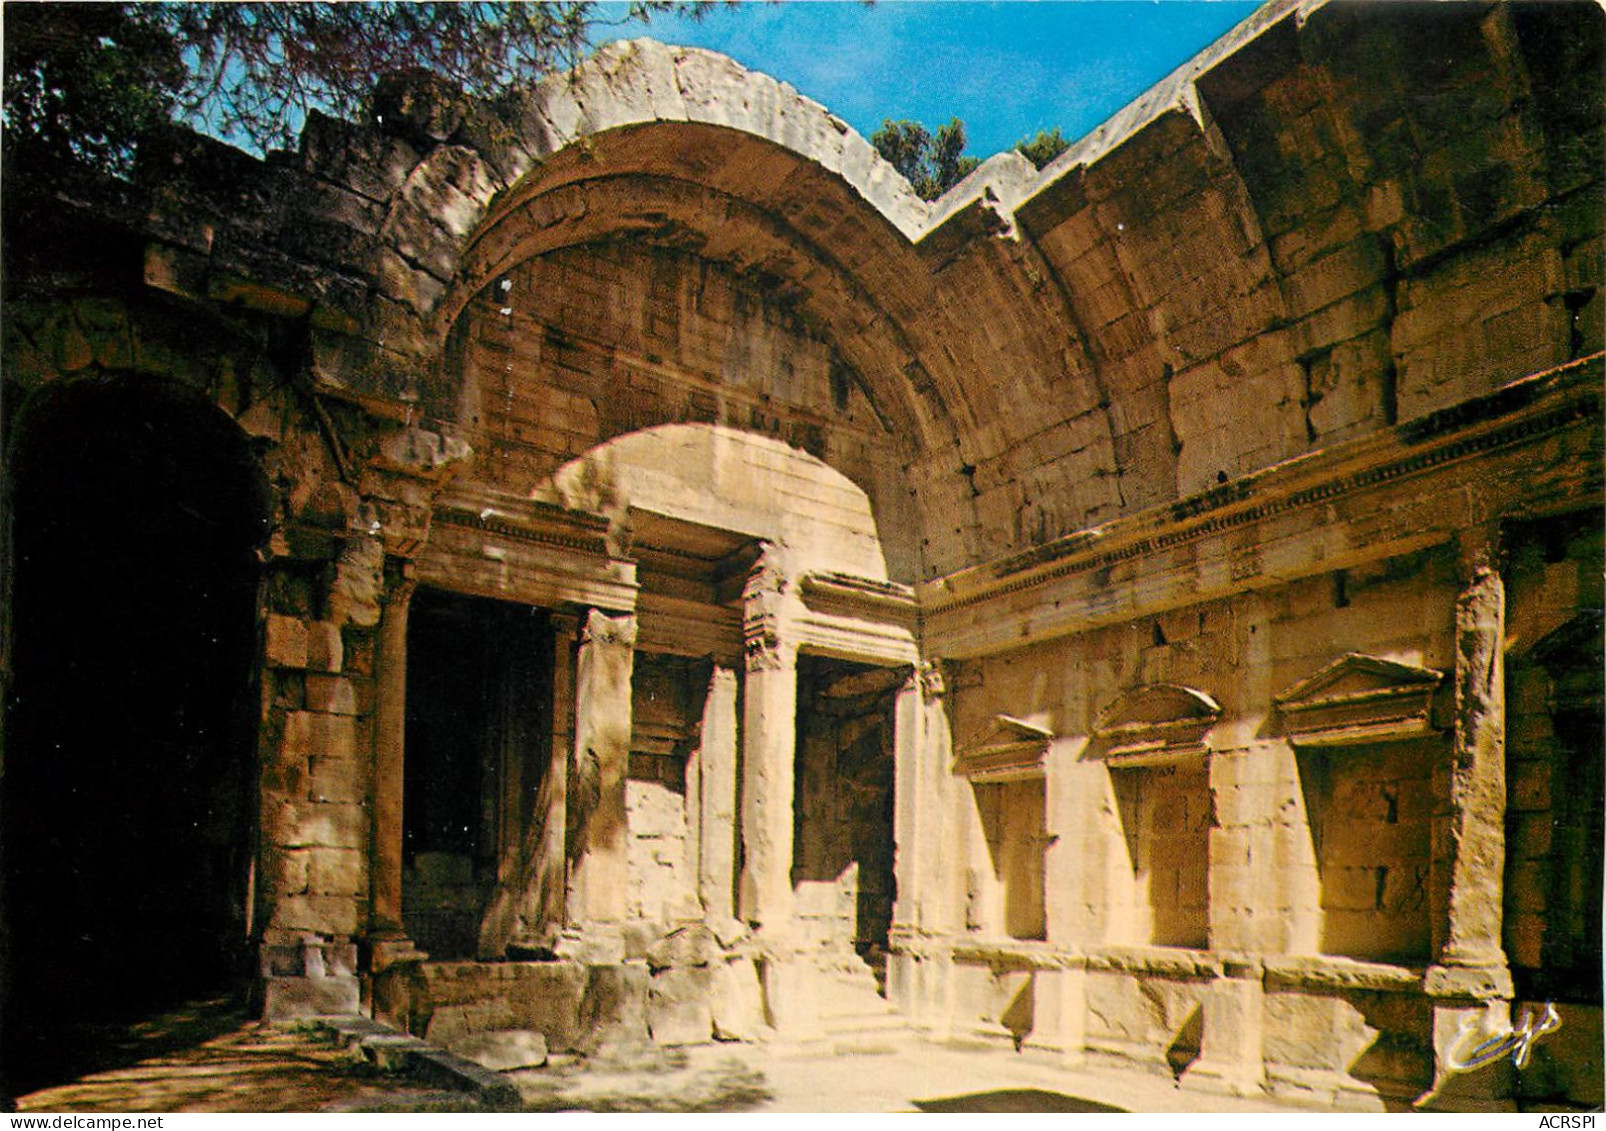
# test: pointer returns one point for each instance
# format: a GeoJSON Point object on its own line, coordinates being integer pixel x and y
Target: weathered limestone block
{"type": "Point", "coordinates": [325, 648]}
{"type": "Point", "coordinates": [680, 1006]}
{"type": "Point", "coordinates": [333, 694]}
{"type": "Point", "coordinates": [316, 734]}
{"type": "Point", "coordinates": [359, 583]}
{"type": "Point", "coordinates": [327, 824]}
{"type": "Point", "coordinates": [336, 871]}
{"type": "Point", "coordinates": [327, 914]}
{"type": "Point", "coordinates": [286, 642]}
{"type": "Point", "coordinates": [690, 946]}
{"type": "Point", "coordinates": [336, 779]}
{"type": "Point", "coordinates": [613, 1012]}
{"type": "Point", "coordinates": [736, 1001]}
{"type": "Point", "coordinates": [287, 999]}
{"type": "Point", "coordinates": [503, 1050]}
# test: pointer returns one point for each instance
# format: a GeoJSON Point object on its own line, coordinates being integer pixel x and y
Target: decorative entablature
{"type": "Point", "coordinates": [841, 594]}
{"type": "Point", "coordinates": [1010, 749]}
{"type": "Point", "coordinates": [1360, 699]}
{"type": "Point", "coordinates": [1153, 725]}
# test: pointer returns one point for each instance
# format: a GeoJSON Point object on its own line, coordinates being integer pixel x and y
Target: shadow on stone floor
{"type": "Point", "coordinates": [208, 1056]}
{"type": "Point", "coordinates": [1016, 1100]}
{"type": "Point", "coordinates": [62, 1050]}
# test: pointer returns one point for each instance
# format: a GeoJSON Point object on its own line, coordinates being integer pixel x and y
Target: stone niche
{"type": "Point", "coordinates": [842, 864]}
{"type": "Point", "coordinates": [666, 724]}
{"type": "Point", "coordinates": [1368, 749]}
{"type": "Point", "coordinates": [1152, 739]}
{"type": "Point", "coordinates": [1005, 766]}
{"type": "Point", "coordinates": [478, 742]}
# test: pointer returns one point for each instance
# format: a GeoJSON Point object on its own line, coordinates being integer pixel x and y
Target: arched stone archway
{"type": "Point", "coordinates": [129, 799]}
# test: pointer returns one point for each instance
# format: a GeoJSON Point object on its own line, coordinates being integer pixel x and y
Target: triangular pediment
{"type": "Point", "coordinates": [1357, 674]}
{"type": "Point", "coordinates": [1360, 699]}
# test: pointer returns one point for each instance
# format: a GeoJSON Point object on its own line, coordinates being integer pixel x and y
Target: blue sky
{"type": "Point", "coordinates": [1006, 69]}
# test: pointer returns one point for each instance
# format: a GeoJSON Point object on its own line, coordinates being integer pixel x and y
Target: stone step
{"type": "Point", "coordinates": [389, 1050]}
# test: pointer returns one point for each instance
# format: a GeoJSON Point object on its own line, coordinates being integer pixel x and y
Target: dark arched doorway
{"type": "Point", "coordinates": [136, 511]}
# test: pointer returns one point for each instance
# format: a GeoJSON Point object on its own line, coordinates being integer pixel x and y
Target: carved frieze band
{"type": "Point", "coordinates": [583, 532]}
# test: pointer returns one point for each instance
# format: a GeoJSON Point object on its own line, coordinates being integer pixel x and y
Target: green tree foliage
{"type": "Point", "coordinates": [85, 81]}
{"type": "Point", "coordinates": [935, 163]}
{"type": "Point", "coordinates": [931, 163]}
{"type": "Point", "coordinates": [1043, 147]}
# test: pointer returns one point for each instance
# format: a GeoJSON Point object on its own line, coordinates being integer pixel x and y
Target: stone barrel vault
{"type": "Point", "coordinates": [666, 580]}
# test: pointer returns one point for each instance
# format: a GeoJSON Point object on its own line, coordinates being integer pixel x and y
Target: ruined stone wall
{"type": "Point", "coordinates": [1242, 652]}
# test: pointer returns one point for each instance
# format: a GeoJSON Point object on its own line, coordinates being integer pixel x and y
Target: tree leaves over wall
{"type": "Point", "coordinates": [85, 81]}
{"type": "Point", "coordinates": [933, 163]}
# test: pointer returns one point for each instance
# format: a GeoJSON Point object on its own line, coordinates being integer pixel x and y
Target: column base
{"type": "Point", "coordinates": [308, 975]}
{"type": "Point", "coordinates": [385, 951]}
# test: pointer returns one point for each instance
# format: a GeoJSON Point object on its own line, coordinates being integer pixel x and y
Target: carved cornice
{"type": "Point", "coordinates": [842, 594]}
{"type": "Point", "coordinates": [535, 523]}
{"type": "Point", "coordinates": [766, 654]}
{"type": "Point", "coordinates": [1523, 411]}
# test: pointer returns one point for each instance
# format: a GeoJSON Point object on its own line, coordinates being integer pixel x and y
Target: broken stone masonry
{"type": "Point", "coordinates": [1146, 611]}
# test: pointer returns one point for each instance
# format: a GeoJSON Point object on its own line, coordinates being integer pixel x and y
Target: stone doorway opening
{"type": "Point", "coordinates": [843, 849]}
{"type": "Point", "coordinates": [128, 810]}
{"type": "Point", "coordinates": [478, 746]}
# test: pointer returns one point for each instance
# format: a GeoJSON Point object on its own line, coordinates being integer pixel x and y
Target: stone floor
{"type": "Point", "coordinates": [910, 1076]}
{"type": "Point", "coordinates": [209, 1057]}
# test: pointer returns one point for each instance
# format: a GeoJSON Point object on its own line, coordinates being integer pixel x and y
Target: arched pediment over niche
{"type": "Point", "coordinates": [1154, 723]}
{"type": "Point", "coordinates": [725, 479]}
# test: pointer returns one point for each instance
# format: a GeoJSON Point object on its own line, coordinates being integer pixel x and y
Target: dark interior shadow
{"type": "Point", "coordinates": [79, 1046]}
{"type": "Point", "coordinates": [1020, 1016]}
{"type": "Point", "coordinates": [1015, 1100]}
{"type": "Point", "coordinates": [1184, 1048]}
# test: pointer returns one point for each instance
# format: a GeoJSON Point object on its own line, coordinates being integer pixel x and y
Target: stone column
{"type": "Point", "coordinates": [1471, 983]}
{"type": "Point", "coordinates": [596, 793]}
{"type": "Point", "coordinates": [908, 732]}
{"type": "Point", "coordinates": [769, 740]}
{"type": "Point", "coordinates": [716, 769]}
{"type": "Point", "coordinates": [1478, 777]}
{"type": "Point", "coordinates": [386, 933]}
{"type": "Point", "coordinates": [552, 805]}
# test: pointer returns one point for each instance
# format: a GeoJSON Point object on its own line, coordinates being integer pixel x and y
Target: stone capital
{"type": "Point", "coordinates": [766, 653]}
{"type": "Point", "coordinates": [603, 629]}
{"type": "Point", "coordinates": [401, 581]}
